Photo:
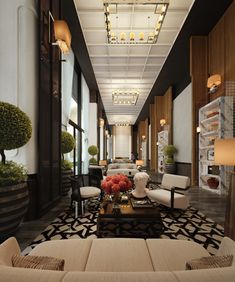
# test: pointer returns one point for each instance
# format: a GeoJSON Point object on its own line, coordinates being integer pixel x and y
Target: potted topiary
{"type": "Point", "coordinates": [15, 131]}
{"type": "Point", "coordinates": [67, 145]}
{"type": "Point", "coordinates": [93, 151]}
{"type": "Point", "coordinates": [169, 163]}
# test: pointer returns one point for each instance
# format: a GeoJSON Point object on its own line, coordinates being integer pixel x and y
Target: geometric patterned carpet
{"type": "Point", "coordinates": [190, 224]}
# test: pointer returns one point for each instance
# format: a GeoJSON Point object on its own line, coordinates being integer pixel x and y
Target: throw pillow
{"type": "Point", "coordinates": [38, 262]}
{"type": "Point", "coordinates": [210, 262]}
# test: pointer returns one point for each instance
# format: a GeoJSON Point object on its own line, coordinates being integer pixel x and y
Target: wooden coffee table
{"type": "Point", "coordinates": [129, 222]}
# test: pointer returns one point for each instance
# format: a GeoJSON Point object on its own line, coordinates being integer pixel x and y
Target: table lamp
{"type": "Point", "coordinates": [225, 155]}
{"type": "Point", "coordinates": [103, 162]}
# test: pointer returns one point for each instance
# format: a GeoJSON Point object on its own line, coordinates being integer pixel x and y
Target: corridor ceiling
{"type": "Point", "coordinates": [127, 66]}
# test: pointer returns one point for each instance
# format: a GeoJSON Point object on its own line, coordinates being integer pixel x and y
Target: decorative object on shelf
{"type": "Point", "coordinates": [225, 155]}
{"type": "Point", "coordinates": [62, 34]}
{"type": "Point", "coordinates": [116, 10]}
{"type": "Point", "coordinates": [15, 132]}
{"type": "Point", "coordinates": [115, 184]}
{"type": "Point", "coordinates": [213, 83]}
{"type": "Point", "coordinates": [213, 182]}
{"type": "Point", "coordinates": [126, 97]}
{"type": "Point", "coordinates": [169, 162]}
{"type": "Point", "coordinates": [67, 145]}
{"type": "Point", "coordinates": [140, 181]}
{"type": "Point", "coordinates": [93, 151]}
{"type": "Point", "coordinates": [210, 155]}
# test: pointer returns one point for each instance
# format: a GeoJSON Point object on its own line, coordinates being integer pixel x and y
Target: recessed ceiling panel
{"type": "Point", "coordinates": [127, 65]}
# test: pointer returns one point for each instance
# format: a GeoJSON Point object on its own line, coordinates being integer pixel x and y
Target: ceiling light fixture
{"type": "Point", "coordinates": [122, 123]}
{"type": "Point", "coordinates": [113, 8]}
{"type": "Point", "coordinates": [126, 97]}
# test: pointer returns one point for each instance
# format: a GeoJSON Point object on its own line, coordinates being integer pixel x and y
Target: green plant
{"type": "Point", "coordinates": [12, 173]}
{"type": "Point", "coordinates": [15, 128]}
{"type": "Point", "coordinates": [93, 150]}
{"type": "Point", "coordinates": [67, 142]}
{"type": "Point", "coordinates": [169, 152]}
{"type": "Point", "coordinates": [65, 164]}
{"type": "Point", "coordinates": [92, 161]}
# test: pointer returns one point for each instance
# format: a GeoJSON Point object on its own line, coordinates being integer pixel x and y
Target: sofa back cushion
{"type": "Point", "coordinates": [7, 249]}
{"type": "Point", "coordinates": [179, 181]}
{"type": "Point", "coordinates": [227, 247]}
{"type": "Point", "coordinates": [119, 254]}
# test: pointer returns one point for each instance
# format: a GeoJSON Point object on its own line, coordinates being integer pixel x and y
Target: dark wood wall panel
{"type": "Point", "coordinates": [49, 112]}
{"type": "Point", "coordinates": [199, 74]}
{"type": "Point", "coordinates": [216, 55]}
{"type": "Point", "coordinates": [229, 31]}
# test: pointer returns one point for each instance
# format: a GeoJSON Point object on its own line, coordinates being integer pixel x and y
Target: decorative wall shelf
{"type": "Point", "coordinates": [216, 121]}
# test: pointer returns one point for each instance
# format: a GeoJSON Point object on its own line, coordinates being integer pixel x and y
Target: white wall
{"type": "Point", "coordinates": [85, 124]}
{"type": "Point", "coordinates": [122, 143]}
{"type": "Point", "coordinates": [18, 69]}
{"type": "Point", "coordinates": [92, 132]}
{"type": "Point", "coordinates": [67, 86]}
{"type": "Point", "coordinates": [182, 125]}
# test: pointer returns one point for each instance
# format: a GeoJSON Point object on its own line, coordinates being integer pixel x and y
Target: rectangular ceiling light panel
{"type": "Point", "coordinates": [134, 22]}
{"type": "Point", "coordinates": [125, 97]}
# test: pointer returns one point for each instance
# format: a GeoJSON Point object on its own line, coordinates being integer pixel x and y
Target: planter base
{"type": "Point", "coordinates": [14, 201]}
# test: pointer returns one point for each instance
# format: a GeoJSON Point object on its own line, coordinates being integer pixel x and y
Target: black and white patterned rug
{"type": "Point", "coordinates": [190, 224]}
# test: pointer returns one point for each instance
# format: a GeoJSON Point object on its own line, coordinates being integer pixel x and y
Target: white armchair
{"type": "Point", "coordinates": [168, 193]}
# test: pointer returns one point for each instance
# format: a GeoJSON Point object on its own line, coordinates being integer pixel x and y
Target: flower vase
{"type": "Point", "coordinates": [116, 198]}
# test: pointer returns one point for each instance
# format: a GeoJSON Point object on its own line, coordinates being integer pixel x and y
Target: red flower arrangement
{"type": "Point", "coordinates": [116, 183]}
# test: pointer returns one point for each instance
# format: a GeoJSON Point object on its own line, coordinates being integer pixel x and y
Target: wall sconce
{"type": "Point", "coordinates": [198, 129]}
{"type": "Point", "coordinates": [162, 122]}
{"type": "Point", "coordinates": [62, 34]}
{"type": "Point", "coordinates": [106, 132]}
{"type": "Point", "coordinates": [101, 122]}
{"type": "Point", "coordinates": [143, 137]}
{"type": "Point", "coordinates": [213, 83]}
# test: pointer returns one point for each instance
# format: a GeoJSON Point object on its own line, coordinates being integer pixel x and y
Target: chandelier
{"type": "Point", "coordinates": [123, 18]}
{"type": "Point", "coordinates": [126, 97]}
{"type": "Point", "coordinates": [122, 123]}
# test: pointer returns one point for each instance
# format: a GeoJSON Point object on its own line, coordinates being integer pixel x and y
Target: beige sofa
{"type": "Point", "coordinates": [124, 168]}
{"type": "Point", "coordinates": [118, 260]}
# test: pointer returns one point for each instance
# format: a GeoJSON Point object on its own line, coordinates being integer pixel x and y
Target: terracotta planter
{"type": "Point", "coordinates": [65, 181]}
{"type": "Point", "coordinates": [213, 182]}
{"type": "Point", "coordinates": [14, 202]}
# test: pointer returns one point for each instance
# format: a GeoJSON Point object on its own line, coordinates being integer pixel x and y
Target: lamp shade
{"type": "Point", "coordinates": [62, 35]}
{"type": "Point", "coordinates": [139, 162]}
{"type": "Point", "coordinates": [214, 80]}
{"type": "Point", "coordinates": [103, 162]}
{"type": "Point", "coordinates": [225, 151]}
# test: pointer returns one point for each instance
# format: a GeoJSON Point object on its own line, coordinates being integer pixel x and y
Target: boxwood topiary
{"type": "Point", "coordinates": [67, 142]}
{"type": "Point", "coordinates": [93, 150]}
{"type": "Point", "coordinates": [15, 128]}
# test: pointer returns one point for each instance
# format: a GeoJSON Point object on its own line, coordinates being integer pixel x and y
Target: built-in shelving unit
{"type": "Point", "coordinates": [163, 140]}
{"type": "Point", "coordinates": [216, 121]}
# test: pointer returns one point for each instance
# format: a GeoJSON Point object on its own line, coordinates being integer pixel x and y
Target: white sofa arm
{"type": "Point", "coordinates": [7, 249]}
{"type": "Point", "coordinates": [227, 247]}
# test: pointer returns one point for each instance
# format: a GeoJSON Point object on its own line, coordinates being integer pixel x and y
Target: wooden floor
{"type": "Point", "coordinates": [211, 204]}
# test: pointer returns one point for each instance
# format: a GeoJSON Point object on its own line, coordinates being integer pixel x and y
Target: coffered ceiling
{"type": "Point", "coordinates": [127, 66]}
